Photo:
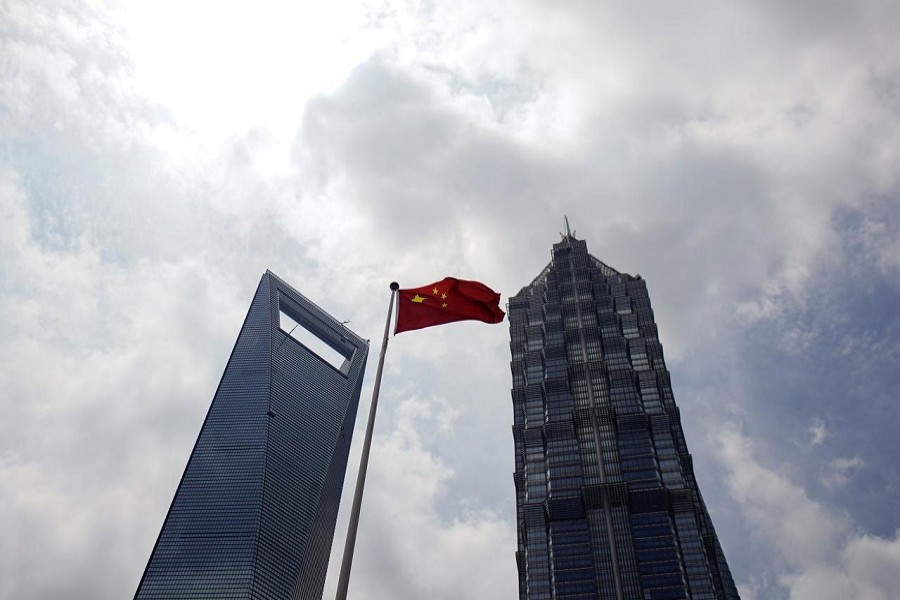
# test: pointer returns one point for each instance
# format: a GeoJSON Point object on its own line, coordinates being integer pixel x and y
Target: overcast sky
{"type": "Point", "coordinates": [157, 156]}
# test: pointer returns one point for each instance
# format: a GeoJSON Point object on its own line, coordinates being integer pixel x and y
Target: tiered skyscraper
{"type": "Point", "coordinates": [607, 503]}
{"type": "Point", "coordinates": [254, 514]}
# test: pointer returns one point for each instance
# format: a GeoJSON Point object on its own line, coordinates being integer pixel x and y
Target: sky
{"type": "Point", "coordinates": [156, 157]}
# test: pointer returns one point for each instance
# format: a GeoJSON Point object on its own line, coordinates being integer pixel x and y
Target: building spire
{"type": "Point", "coordinates": [569, 233]}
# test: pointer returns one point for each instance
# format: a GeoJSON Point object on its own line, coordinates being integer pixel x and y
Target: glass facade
{"type": "Point", "coordinates": [254, 514]}
{"type": "Point", "coordinates": [607, 503]}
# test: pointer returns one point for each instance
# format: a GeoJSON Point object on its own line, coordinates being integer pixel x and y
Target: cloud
{"type": "Point", "coordinates": [866, 568]}
{"type": "Point", "coordinates": [94, 398]}
{"type": "Point", "coordinates": [837, 473]}
{"type": "Point", "coordinates": [731, 164]}
{"type": "Point", "coordinates": [818, 431]}
{"type": "Point", "coordinates": [823, 555]}
{"type": "Point", "coordinates": [434, 557]}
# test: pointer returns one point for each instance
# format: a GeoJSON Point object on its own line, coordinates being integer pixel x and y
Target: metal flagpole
{"type": "Point", "coordinates": [344, 580]}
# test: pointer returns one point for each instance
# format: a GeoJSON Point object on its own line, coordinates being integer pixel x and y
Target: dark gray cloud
{"type": "Point", "coordinates": [413, 164]}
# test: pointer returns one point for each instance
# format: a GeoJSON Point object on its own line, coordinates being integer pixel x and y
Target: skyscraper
{"type": "Point", "coordinates": [254, 514]}
{"type": "Point", "coordinates": [607, 503]}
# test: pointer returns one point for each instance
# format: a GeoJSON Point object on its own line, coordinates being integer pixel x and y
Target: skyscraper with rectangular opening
{"type": "Point", "coordinates": [254, 514]}
{"type": "Point", "coordinates": [607, 503]}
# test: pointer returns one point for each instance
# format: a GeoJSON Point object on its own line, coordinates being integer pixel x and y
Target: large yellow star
{"type": "Point", "coordinates": [418, 299]}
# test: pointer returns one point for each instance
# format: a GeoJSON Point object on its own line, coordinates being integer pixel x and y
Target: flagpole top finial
{"type": "Point", "coordinates": [395, 286]}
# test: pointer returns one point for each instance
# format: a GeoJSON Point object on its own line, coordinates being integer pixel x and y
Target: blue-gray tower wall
{"type": "Point", "coordinates": [607, 502]}
{"type": "Point", "coordinates": [254, 514]}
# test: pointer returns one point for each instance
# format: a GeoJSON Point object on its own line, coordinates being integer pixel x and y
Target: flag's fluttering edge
{"type": "Point", "coordinates": [446, 301]}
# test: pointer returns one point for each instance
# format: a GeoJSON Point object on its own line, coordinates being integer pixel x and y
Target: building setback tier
{"type": "Point", "coordinates": [606, 500]}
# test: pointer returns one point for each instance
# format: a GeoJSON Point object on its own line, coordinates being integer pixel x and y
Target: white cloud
{"type": "Point", "coordinates": [405, 548]}
{"type": "Point", "coordinates": [823, 556]}
{"type": "Point", "coordinates": [838, 472]}
{"type": "Point", "coordinates": [95, 394]}
{"type": "Point", "coordinates": [866, 569]}
{"type": "Point", "coordinates": [818, 431]}
{"type": "Point", "coordinates": [250, 64]}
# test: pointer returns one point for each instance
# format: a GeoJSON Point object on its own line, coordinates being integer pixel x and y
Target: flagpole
{"type": "Point", "coordinates": [350, 543]}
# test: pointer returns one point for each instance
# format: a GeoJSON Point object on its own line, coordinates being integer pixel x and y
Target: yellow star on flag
{"type": "Point", "coordinates": [418, 299]}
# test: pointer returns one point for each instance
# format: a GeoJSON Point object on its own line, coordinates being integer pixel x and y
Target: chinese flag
{"type": "Point", "coordinates": [446, 301]}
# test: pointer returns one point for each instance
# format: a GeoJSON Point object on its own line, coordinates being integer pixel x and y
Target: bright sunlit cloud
{"type": "Point", "coordinates": [225, 67]}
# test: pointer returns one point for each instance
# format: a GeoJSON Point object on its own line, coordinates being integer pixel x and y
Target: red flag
{"type": "Point", "coordinates": [446, 301]}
